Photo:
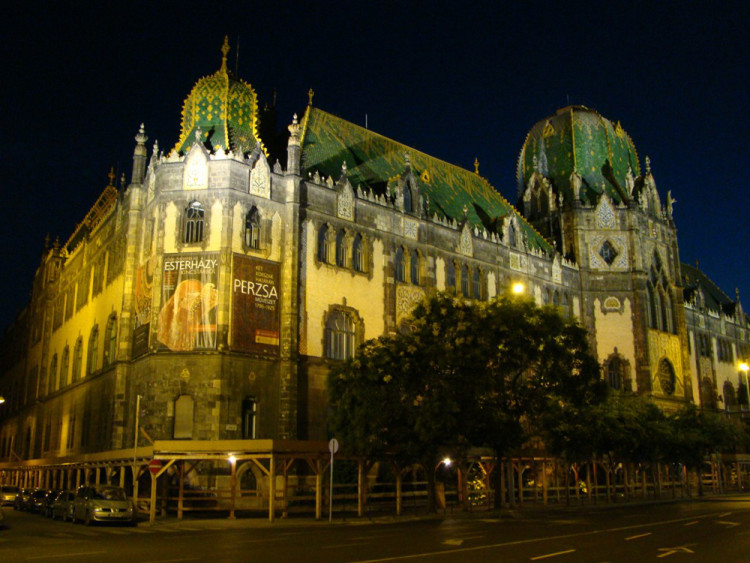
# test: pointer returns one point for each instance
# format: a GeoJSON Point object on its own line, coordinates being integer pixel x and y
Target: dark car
{"type": "Point", "coordinates": [103, 503]}
{"type": "Point", "coordinates": [38, 500]}
{"type": "Point", "coordinates": [62, 505]}
{"type": "Point", "coordinates": [8, 494]}
{"type": "Point", "coordinates": [22, 499]}
{"type": "Point", "coordinates": [50, 498]}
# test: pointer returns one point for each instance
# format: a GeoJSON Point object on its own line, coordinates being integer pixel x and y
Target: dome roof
{"type": "Point", "coordinates": [579, 138]}
{"type": "Point", "coordinates": [224, 108]}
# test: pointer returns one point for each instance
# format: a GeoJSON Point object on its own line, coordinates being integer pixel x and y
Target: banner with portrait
{"type": "Point", "coordinates": [255, 305]}
{"type": "Point", "coordinates": [144, 279]}
{"type": "Point", "coordinates": [187, 319]}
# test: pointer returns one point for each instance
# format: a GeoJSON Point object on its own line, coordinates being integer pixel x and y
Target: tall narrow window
{"type": "Point", "coordinates": [415, 264]}
{"type": "Point", "coordinates": [77, 359]}
{"type": "Point", "coordinates": [614, 373]}
{"type": "Point", "coordinates": [323, 250]}
{"type": "Point", "coordinates": [340, 335]}
{"type": "Point", "coordinates": [358, 262]}
{"type": "Point", "coordinates": [64, 368]}
{"type": "Point", "coordinates": [450, 274]}
{"type": "Point", "coordinates": [110, 341]}
{"type": "Point", "coordinates": [194, 218]}
{"type": "Point", "coordinates": [52, 374]}
{"type": "Point", "coordinates": [399, 264]}
{"type": "Point", "coordinates": [341, 248]}
{"type": "Point", "coordinates": [477, 284]}
{"type": "Point", "coordinates": [249, 415]}
{"type": "Point", "coordinates": [408, 206]}
{"type": "Point", "coordinates": [465, 281]}
{"type": "Point", "coordinates": [93, 352]}
{"type": "Point", "coordinates": [252, 228]}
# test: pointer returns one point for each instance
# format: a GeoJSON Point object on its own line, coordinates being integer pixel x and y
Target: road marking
{"type": "Point", "coordinates": [453, 542]}
{"type": "Point", "coordinates": [672, 550]}
{"type": "Point", "coordinates": [727, 523]}
{"type": "Point", "coordinates": [693, 523]}
{"type": "Point", "coordinates": [532, 540]}
{"type": "Point", "coordinates": [723, 515]}
{"type": "Point", "coordinates": [552, 554]}
{"type": "Point", "coordinates": [66, 555]}
{"type": "Point", "coordinates": [336, 546]}
{"type": "Point", "coordinates": [638, 536]}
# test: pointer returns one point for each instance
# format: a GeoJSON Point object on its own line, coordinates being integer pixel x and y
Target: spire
{"type": "Point", "coordinates": [310, 94]}
{"type": "Point", "coordinates": [139, 156]}
{"type": "Point", "coordinates": [293, 150]}
{"type": "Point", "coordinates": [224, 52]}
{"type": "Point", "coordinates": [476, 165]}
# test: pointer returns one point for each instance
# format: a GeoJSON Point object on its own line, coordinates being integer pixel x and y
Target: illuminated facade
{"type": "Point", "coordinates": [220, 283]}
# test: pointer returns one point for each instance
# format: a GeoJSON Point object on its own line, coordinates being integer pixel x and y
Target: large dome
{"type": "Point", "coordinates": [224, 108]}
{"type": "Point", "coordinates": [579, 138]}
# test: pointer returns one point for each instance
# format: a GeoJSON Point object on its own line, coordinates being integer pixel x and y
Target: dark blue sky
{"type": "Point", "coordinates": [457, 80]}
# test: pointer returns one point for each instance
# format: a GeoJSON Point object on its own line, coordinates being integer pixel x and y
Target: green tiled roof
{"type": "Point", "coordinates": [373, 160]}
{"type": "Point", "coordinates": [578, 136]}
{"type": "Point", "coordinates": [224, 108]}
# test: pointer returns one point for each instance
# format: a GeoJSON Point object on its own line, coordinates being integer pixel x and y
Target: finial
{"type": "Point", "coordinates": [122, 179]}
{"type": "Point", "coordinates": [294, 119]}
{"type": "Point", "coordinates": [737, 293]}
{"type": "Point", "coordinates": [648, 165]}
{"type": "Point", "coordinates": [310, 94]}
{"type": "Point", "coordinates": [696, 264]}
{"type": "Point", "coordinates": [407, 159]}
{"type": "Point", "coordinates": [536, 163]}
{"type": "Point", "coordinates": [343, 167]}
{"type": "Point", "coordinates": [111, 176]}
{"type": "Point", "coordinates": [156, 147]}
{"type": "Point", "coordinates": [465, 210]}
{"type": "Point", "coordinates": [224, 51]}
{"type": "Point", "coordinates": [198, 134]}
{"type": "Point", "coordinates": [56, 244]}
{"type": "Point", "coordinates": [476, 165]}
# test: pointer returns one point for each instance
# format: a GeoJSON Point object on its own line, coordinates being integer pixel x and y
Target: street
{"type": "Point", "coordinates": [709, 529]}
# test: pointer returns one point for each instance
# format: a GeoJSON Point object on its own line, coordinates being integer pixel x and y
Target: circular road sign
{"type": "Point", "coordinates": [154, 466]}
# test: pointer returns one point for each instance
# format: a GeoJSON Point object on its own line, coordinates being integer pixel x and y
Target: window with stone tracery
{"type": "Point", "coordinates": [193, 223]}
{"type": "Point", "coordinates": [252, 229]}
{"type": "Point", "coordinates": [340, 335]}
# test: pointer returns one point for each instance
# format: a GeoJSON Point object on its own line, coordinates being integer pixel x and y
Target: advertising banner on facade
{"type": "Point", "coordinates": [144, 279]}
{"type": "Point", "coordinates": [187, 319]}
{"type": "Point", "coordinates": [255, 305]}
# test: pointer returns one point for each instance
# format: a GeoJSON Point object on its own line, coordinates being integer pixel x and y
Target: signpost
{"type": "Point", "coordinates": [333, 447]}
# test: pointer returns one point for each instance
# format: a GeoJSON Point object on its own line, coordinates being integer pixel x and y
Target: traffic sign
{"type": "Point", "coordinates": [154, 466]}
{"type": "Point", "coordinates": [333, 446]}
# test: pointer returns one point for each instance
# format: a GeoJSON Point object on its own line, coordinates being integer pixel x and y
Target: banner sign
{"type": "Point", "coordinates": [187, 319]}
{"type": "Point", "coordinates": [144, 279]}
{"type": "Point", "coordinates": [255, 305]}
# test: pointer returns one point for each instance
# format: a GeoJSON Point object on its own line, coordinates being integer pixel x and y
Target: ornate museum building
{"type": "Point", "coordinates": [215, 287]}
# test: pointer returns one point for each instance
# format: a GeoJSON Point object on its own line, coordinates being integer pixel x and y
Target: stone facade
{"type": "Point", "coordinates": [221, 283]}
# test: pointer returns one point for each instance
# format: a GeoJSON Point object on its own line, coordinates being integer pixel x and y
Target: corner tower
{"type": "Point", "coordinates": [581, 185]}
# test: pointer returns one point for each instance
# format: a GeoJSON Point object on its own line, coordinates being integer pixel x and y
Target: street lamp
{"type": "Point", "coordinates": [2, 399]}
{"type": "Point", "coordinates": [744, 368]}
{"type": "Point", "coordinates": [518, 288]}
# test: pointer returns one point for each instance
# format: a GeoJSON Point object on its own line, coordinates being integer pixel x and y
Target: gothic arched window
{"type": "Point", "coordinates": [465, 281]}
{"type": "Point", "coordinates": [77, 359]}
{"type": "Point", "coordinates": [415, 264]}
{"type": "Point", "coordinates": [193, 227]}
{"type": "Point", "coordinates": [110, 341]}
{"type": "Point", "coordinates": [93, 351]}
{"type": "Point", "coordinates": [341, 248]}
{"type": "Point", "coordinates": [477, 284]}
{"type": "Point", "coordinates": [52, 375]}
{"type": "Point", "coordinates": [252, 228]}
{"type": "Point", "coordinates": [323, 247]}
{"type": "Point", "coordinates": [358, 259]}
{"type": "Point", "coordinates": [450, 274]}
{"type": "Point", "coordinates": [64, 368]}
{"type": "Point", "coordinates": [399, 265]}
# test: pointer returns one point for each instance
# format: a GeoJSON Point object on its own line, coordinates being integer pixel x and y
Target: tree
{"type": "Point", "coordinates": [461, 374]}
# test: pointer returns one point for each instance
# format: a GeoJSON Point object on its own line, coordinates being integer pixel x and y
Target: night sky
{"type": "Point", "coordinates": [457, 80]}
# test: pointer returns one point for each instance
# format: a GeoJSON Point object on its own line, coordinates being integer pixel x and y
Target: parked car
{"type": "Point", "coordinates": [102, 503]}
{"type": "Point", "coordinates": [49, 499]}
{"type": "Point", "coordinates": [8, 494]}
{"type": "Point", "coordinates": [22, 499]}
{"type": "Point", "coordinates": [62, 505]}
{"type": "Point", "coordinates": [37, 500]}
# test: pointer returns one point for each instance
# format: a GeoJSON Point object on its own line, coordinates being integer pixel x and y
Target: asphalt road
{"type": "Point", "coordinates": [712, 529]}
